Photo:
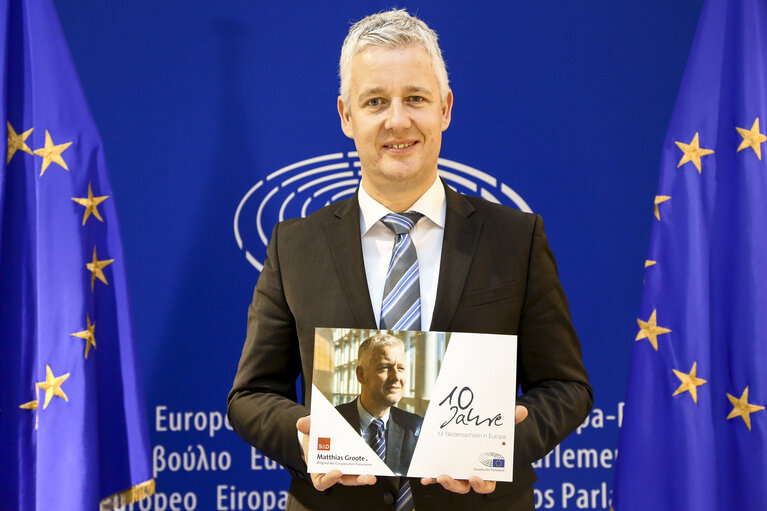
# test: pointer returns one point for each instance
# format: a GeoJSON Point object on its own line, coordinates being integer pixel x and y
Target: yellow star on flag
{"type": "Point", "coordinates": [659, 199]}
{"type": "Point", "coordinates": [16, 142]}
{"type": "Point", "coordinates": [91, 204]}
{"type": "Point", "coordinates": [96, 268]}
{"type": "Point", "coordinates": [52, 386]}
{"type": "Point", "coordinates": [692, 152]}
{"type": "Point", "coordinates": [31, 405]}
{"type": "Point", "coordinates": [647, 264]}
{"type": "Point", "coordinates": [690, 382]}
{"type": "Point", "coordinates": [51, 153]}
{"type": "Point", "coordinates": [89, 334]}
{"type": "Point", "coordinates": [742, 408]}
{"type": "Point", "coordinates": [752, 138]}
{"type": "Point", "coordinates": [650, 330]}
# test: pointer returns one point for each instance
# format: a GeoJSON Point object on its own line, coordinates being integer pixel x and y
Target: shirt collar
{"type": "Point", "coordinates": [432, 204]}
{"type": "Point", "coordinates": [366, 418]}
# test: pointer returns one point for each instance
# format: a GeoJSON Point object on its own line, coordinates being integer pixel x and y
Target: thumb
{"type": "Point", "coordinates": [520, 414]}
{"type": "Point", "coordinates": [304, 424]}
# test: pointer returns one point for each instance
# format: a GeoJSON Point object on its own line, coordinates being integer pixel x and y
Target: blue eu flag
{"type": "Point", "coordinates": [695, 429]}
{"type": "Point", "coordinates": [73, 429]}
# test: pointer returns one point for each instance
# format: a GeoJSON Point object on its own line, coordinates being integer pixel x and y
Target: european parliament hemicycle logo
{"type": "Point", "coordinates": [492, 459]}
{"type": "Point", "coordinates": [301, 188]}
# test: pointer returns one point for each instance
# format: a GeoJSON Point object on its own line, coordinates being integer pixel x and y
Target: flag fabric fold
{"type": "Point", "coordinates": [695, 427]}
{"type": "Point", "coordinates": [73, 426]}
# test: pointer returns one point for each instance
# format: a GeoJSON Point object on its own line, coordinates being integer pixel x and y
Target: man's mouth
{"type": "Point", "coordinates": [404, 145]}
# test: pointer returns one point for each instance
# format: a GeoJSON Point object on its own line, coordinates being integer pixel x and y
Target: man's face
{"type": "Point", "coordinates": [395, 118]}
{"type": "Point", "coordinates": [382, 377]}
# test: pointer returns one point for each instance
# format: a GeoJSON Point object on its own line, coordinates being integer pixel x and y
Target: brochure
{"type": "Point", "coordinates": [412, 403]}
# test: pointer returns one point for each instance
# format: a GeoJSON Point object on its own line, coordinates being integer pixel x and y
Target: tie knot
{"type": "Point", "coordinates": [401, 223]}
{"type": "Point", "coordinates": [377, 425]}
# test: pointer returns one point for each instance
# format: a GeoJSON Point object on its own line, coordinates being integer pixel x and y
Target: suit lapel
{"type": "Point", "coordinates": [462, 229]}
{"type": "Point", "coordinates": [394, 438]}
{"type": "Point", "coordinates": [349, 412]}
{"type": "Point", "coordinates": [343, 235]}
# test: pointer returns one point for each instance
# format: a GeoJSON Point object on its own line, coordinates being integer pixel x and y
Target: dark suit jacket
{"type": "Point", "coordinates": [497, 275]}
{"type": "Point", "coordinates": [401, 434]}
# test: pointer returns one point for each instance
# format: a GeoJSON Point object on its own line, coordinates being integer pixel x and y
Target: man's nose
{"type": "Point", "coordinates": [398, 118]}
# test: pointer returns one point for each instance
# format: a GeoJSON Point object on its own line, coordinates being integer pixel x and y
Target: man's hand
{"type": "Point", "coordinates": [324, 481]}
{"type": "Point", "coordinates": [461, 485]}
{"type": "Point", "coordinates": [473, 483]}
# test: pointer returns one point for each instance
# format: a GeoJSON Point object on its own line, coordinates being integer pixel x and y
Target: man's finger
{"type": "Point", "coordinates": [520, 414]}
{"type": "Point", "coordinates": [481, 486]}
{"type": "Point", "coordinates": [304, 424]}
{"type": "Point", "coordinates": [461, 485]}
{"type": "Point", "coordinates": [360, 480]}
{"type": "Point", "coordinates": [324, 481]}
{"type": "Point", "coordinates": [454, 485]}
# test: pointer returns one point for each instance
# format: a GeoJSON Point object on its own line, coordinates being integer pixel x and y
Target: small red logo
{"type": "Point", "coordinates": [323, 444]}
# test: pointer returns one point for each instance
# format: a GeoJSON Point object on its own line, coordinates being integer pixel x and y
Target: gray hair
{"type": "Point", "coordinates": [376, 341]}
{"type": "Point", "coordinates": [390, 29]}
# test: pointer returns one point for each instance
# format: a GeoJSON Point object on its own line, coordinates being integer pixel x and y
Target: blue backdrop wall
{"type": "Point", "coordinates": [565, 102]}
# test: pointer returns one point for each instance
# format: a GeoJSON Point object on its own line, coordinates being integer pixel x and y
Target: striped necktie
{"type": "Point", "coordinates": [401, 306]}
{"type": "Point", "coordinates": [377, 442]}
{"type": "Point", "coordinates": [376, 439]}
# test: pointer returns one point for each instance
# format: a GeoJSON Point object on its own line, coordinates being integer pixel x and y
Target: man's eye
{"type": "Point", "coordinates": [374, 102]}
{"type": "Point", "coordinates": [416, 99]}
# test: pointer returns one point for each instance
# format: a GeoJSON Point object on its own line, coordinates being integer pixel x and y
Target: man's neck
{"type": "Point", "coordinates": [376, 411]}
{"type": "Point", "coordinates": [396, 198]}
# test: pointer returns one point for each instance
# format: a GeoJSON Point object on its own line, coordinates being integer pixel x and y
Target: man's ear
{"type": "Point", "coordinates": [360, 374]}
{"type": "Point", "coordinates": [447, 109]}
{"type": "Point", "coordinates": [346, 118]}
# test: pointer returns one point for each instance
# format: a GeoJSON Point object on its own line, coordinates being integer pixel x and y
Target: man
{"type": "Point", "coordinates": [482, 267]}
{"type": "Point", "coordinates": [381, 373]}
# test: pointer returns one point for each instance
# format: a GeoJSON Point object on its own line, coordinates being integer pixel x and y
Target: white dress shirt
{"type": "Point", "coordinates": [378, 242]}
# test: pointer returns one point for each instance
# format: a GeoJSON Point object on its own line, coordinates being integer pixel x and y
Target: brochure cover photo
{"type": "Point", "coordinates": [412, 403]}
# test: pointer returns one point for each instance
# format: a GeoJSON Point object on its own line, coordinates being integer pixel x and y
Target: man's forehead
{"type": "Point", "coordinates": [375, 67]}
{"type": "Point", "coordinates": [387, 352]}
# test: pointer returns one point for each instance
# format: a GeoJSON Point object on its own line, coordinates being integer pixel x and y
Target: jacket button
{"type": "Point", "coordinates": [388, 498]}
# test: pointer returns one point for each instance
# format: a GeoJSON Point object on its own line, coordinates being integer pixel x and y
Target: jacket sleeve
{"type": "Point", "coordinates": [262, 405]}
{"type": "Point", "coordinates": [551, 374]}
